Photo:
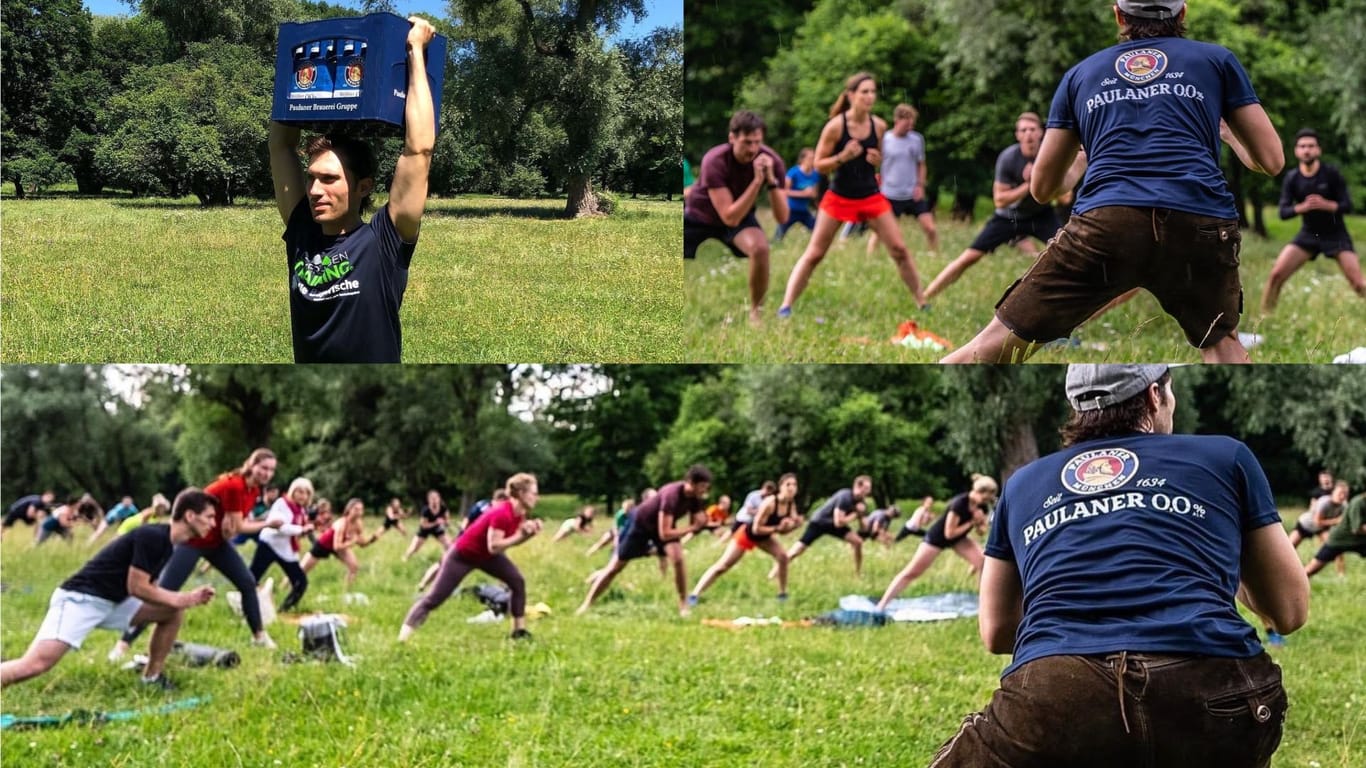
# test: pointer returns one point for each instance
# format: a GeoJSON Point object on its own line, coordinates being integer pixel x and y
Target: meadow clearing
{"type": "Point", "coordinates": [855, 302]}
{"type": "Point", "coordinates": [630, 684]}
{"type": "Point", "coordinates": [156, 280]}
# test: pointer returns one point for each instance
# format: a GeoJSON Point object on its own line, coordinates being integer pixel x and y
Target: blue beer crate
{"type": "Point", "coordinates": [350, 75]}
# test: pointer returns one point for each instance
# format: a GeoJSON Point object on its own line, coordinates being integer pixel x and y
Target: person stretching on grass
{"type": "Point", "coordinates": [281, 545]}
{"type": "Point", "coordinates": [777, 514]}
{"type": "Point", "coordinates": [236, 492]}
{"type": "Point", "coordinates": [114, 589]}
{"type": "Point", "coordinates": [435, 516]}
{"type": "Point", "coordinates": [963, 513]}
{"type": "Point", "coordinates": [340, 540]}
{"type": "Point", "coordinates": [482, 547]}
{"type": "Point", "coordinates": [833, 519]}
{"type": "Point", "coordinates": [653, 527]}
{"type": "Point", "coordinates": [347, 277]}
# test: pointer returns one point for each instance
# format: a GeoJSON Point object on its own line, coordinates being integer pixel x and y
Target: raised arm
{"type": "Point", "coordinates": [408, 195]}
{"type": "Point", "coordinates": [285, 170]}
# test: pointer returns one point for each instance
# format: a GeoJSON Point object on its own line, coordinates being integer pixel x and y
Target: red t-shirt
{"type": "Point", "coordinates": [473, 544]}
{"type": "Point", "coordinates": [233, 496]}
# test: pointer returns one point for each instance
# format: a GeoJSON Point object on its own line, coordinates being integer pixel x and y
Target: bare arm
{"type": "Point", "coordinates": [408, 197]}
{"type": "Point", "coordinates": [955, 526]}
{"type": "Point", "coordinates": [1273, 582]}
{"type": "Point", "coordinates": [1254, 139]}
{"type": "Point", "coordinates": [284, 168]}
{"type": "Point", "coordinates": [828, 156]}
{"type": "Point", "coordinates": [1002, 605]}
{"type": "Point", "coordinates": [667, 531]}
{"type": "Point", "coordinates": [232, 524]}
{"type": "Point", "coordinates": [732, 210]}
{"type": "Point", "coordinates": [499, 543]}
{"type": "Point", "coordinates": [777, 201]}
{"type": "Point", "coordinates": [141, 586]}
{"type": "Point", "coordinates": [1056, 165]}
{"type": "Point", "coordinates": [765, 508]}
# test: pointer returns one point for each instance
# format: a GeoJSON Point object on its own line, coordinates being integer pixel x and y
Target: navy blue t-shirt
{"type": "Point", "coordinates": [345, 291]}
{"type": "Point", "coordinates": [1147, 112]}
{"type": "Point", "coordinates": [105, 575]}
{"type": "Point", "coordinates": [1133, 543]}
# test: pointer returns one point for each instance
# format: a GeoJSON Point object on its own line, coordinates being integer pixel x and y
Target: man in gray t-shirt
{"type": "Point", "coordinates": [1017, 213]}
{"type": "Point", "coordinates": [904, 173]}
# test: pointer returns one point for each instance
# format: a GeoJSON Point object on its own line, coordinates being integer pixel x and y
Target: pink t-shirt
{"type": "Point", "coordinates": [473, 544]}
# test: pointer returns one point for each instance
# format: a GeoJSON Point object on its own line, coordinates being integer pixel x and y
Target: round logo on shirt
{"type": "Point", "coordinates": [1100, 470]}
{"type": "Point", "coordinates": [1141, 66]}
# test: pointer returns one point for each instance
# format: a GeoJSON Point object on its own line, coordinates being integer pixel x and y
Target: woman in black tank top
{"type": "Point", "coordinates": [963, 513]}
{"type": "Point", "coordinates": [849, 152]}
{"type": "Point", "coordinates": [778, 514]}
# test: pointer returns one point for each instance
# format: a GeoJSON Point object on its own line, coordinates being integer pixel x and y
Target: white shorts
{"type": "Point", "coordinates": [73, 615]}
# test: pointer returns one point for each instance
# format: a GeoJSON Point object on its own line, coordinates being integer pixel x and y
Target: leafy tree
{"type": "Point", "coordinates": [191, 127]}
{"type": "Point", "coordinates": [607, 419]}
{"type": "Point", "coordinates": [998, 418]}
{"type": "Point", "coordinates": [41, 43]}
{"type": "Point", "coordinates": [647, 151]}
{"type": "Point", "coordinates": [726, 42]}
{"type": "Point", "coordinates": [547, 58]}
{"type": "Point", "coordinates": [64, 430]}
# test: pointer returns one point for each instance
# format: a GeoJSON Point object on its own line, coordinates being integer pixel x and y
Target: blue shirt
{"type": "Point", "coordinates": [797, 179]}
{"type": "Point", "coordinates": [1147, 112]}
{"type": "Point", "coordinates": [1133, 543]}
{"type": "Point", "coordinates": [345, 291]}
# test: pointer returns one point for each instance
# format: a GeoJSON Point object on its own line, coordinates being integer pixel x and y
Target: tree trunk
{"type": "Point", "coordinates": [582, 200]}
{"type": "Point", "coordinates": [1258, 219]}
{"type": "Point", "coordinates": [19, 187]}
{"type": "Point", "coordinates": [1019, 449]}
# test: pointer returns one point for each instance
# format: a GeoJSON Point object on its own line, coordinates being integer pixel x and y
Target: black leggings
{"type": "Point", "coordinates": [298, 580]}
{"type": "Point", "coordinates": [223, 557]}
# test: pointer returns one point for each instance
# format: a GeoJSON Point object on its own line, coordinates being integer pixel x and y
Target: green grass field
{"type": "Point", "coordinates": [631, 684]}
{"type": "Point", "coordinates": [855, 302]}
{"type": "Point", "coordinates": [164, 281]}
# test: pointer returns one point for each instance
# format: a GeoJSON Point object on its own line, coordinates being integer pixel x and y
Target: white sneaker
{"type": "Point", "coordinates": [117, 652]}
{"type": "Point", "coordinates": [264, 641]}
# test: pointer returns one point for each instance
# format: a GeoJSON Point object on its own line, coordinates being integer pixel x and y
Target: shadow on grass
{"type": "Point", "coordinates": [490, 208]}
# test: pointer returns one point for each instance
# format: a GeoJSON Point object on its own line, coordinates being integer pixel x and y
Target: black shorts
{"type": "Point", "coordinates": [695, 233]}
{"type": "Point", "coordinates": [634, 542]}
{"type": "Point", "coordinates": [1188, 262]}
{"type": "Point", "coordinates": [818, 528]}
{"type": "Point", "coordinates": [423, 533]}
{"type": "Point", "coordinates": [1003, 229]}
{"type": "Point", "coordinates": [1328, 553]}
{"type": "Point", "coordinates": [910, 207]}
{"type": "Point", "coordinates": [935, 538]}
{"type": "Point", "coordinates": [319, 553]}
{"type": "Point", "coordinates": [390, 522]}
{"type": "Point", "coordinates": [1329, 244]}
{"type": "Point", "coordinates": [1305, 532]}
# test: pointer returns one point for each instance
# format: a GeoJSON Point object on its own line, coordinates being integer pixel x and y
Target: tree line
{"type": "Point", "coordinates": [604, 432]}
{"type": "Point", "coordinates": [971, 66]}
{"type": "Point", "coordinates": [175, 99]}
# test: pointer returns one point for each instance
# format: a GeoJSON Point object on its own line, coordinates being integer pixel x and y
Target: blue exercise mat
{"type": "Point", "coordinates": [949, 605]}
{"type": "Point", "coordinates": [81, 716]}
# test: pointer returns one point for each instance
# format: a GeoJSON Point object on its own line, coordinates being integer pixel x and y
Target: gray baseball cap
{"type": "Point", "coordinates": [1152, 9]}
{"type": "Point", "coordinates": [1093, 387]}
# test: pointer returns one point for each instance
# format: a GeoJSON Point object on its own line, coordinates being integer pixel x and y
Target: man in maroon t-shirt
{"type": "Point", "coordinates": [654, 524]}
{"type": "Point", "coordinates": [721, 204]}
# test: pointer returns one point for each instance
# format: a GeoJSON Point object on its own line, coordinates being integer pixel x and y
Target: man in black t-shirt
{"type": "Point", "coordinates": [29, 509]}
{"type": "Point", "coordinates": [1318, 193]}
{"type": "Point", "coordinates": [116, 589]}
{"type": "Point", "coordinates": [347, 278]}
